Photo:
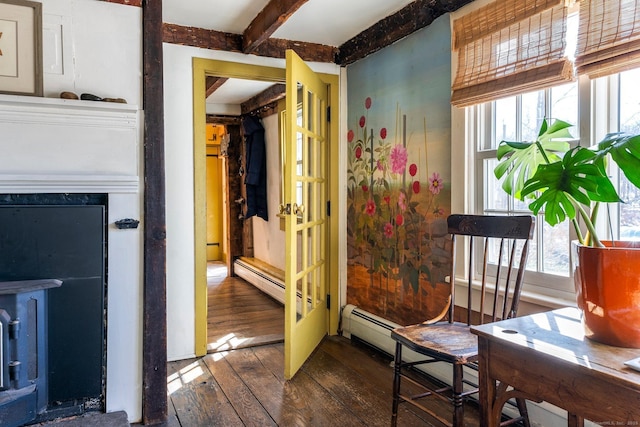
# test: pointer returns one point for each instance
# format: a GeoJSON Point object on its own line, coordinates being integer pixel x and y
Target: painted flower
{"type": "Point", "coordinates": [367, 103]}
{"type": "Point", "coordinates": [362, 121]}
{"type": "Point", "coordinates": [416, 187]}
{"type": "Point", "coordinates": [387, 200]}
{"type": "Point", "coordinates": [383, 133]}
{"type": "Point", "coordinates": [365, 187]}
{"type": "Point", "coordinates": [399, 220]}
{"type": "Point", "coordinates": [438, 211]}
{"type": "Point", "coordinates": [388, 230]}
{"type": "Point", "coordinates": [350, 135]}
{"type": "Point", "coordinates": [370, 208]}
{"type": "Point", "coordinates": [435, 183]}
{"type": "Point", "coordinates": [380, 166]}
{"type": "Point", "coordinates": [398, 159]}
{"type": "Point", "coordinates": [402, 201]}
{"type": "Point", "coordinates": [413, 169]}
{"type": "Point", "coordinates": [358, 152]}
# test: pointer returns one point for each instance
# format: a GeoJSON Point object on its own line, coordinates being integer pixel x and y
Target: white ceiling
{"type": "Point", "coordinates": [328, 22]}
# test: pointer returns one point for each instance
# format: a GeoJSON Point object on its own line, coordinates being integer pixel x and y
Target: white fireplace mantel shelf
{"type": "Point", "coordinates": [62, 145]}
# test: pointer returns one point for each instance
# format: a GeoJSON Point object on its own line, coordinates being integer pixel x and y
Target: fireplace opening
{"type": "Point", "coordinates": [62, 237]}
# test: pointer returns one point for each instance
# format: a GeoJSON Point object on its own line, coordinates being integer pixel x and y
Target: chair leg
{"type": "Point", "coordinates": [522, 407]}
{"type": "Point", "coordinates": [396, 384]}
{"type": "Point", "coordinates": [458, 407]}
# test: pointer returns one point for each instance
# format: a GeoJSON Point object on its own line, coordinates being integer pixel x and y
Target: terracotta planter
{"type": "Point", "coordinates": [608, 291]}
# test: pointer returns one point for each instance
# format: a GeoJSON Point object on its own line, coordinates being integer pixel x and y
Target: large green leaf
{"type": "Point", "coordinates": [576, 177]}
{"type": "Point", "coordinates": [518, 161]}
{"type": "Point", "coordinates": [625, 151]}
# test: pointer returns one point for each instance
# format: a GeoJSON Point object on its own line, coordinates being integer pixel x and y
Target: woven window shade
{"type": "Point", "coordinates": [510, 47]}
{"type": "Point", "coordinates": [608, 37]}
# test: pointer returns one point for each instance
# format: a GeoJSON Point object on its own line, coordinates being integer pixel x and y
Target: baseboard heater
{"type": "Point", "coordinates": [260, 278]}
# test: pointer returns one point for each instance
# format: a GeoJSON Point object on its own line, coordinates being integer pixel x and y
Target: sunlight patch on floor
{"type": "Point", "coordinates": [227, 342]}
{"type": "Point", "coordinates": [216, 269]}
{"type": "Point", "coordinates": [184, 376]}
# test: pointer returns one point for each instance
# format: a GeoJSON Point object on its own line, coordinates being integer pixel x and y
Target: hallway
{"type": "Point", "coordinates": [239, 315]}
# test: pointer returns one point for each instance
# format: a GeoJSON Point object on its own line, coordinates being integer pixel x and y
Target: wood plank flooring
{"type": "Point", "coordinates": [342, 384]}
{"type": "Point", "coordinates": [239, 315]}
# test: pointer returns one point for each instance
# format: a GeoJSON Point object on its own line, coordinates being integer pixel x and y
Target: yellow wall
{"type": "Point", "coordinates": [215, 235]}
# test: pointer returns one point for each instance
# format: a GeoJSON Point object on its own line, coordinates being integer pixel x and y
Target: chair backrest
{"type": "Point", "coordinates": [505, 245]}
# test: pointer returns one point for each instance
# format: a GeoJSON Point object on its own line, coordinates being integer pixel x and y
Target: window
{"type": "Point", "coordinates": [613, 107]}
{"type": "Point", "coordinates": [506, 107]}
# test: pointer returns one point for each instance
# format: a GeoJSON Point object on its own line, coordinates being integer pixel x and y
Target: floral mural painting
{"type": "Point", "coordinates": [398, 247]}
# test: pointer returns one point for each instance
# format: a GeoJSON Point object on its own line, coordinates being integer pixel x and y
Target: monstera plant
{"type": "Point", "coordinates": [572, 183]}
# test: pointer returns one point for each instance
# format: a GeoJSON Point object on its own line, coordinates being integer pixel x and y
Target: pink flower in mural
{"type": "Point", "coordinates": [380, 166]}
{"type": "Point", "coordinates": [362, 121]}
{"type": "Point", "coordinates": [383, 133]}
{"type": "Point", "coordinates": [438, 211]}
{"type": "Point", "coordinates": [398, 158]}
{"type": "Point", "coordinates": [402, 202]}
{"type": "Point", "coordinates": [370, 209]}
{"type": "Point", "coordinates": [387, 200]}
{"type": "Point", "coordinates": [365, 187]}
{"type": "Point", "coordinates": [413, 169]}
{"type": "Point", "coordinates": [358, 152]}
{"type": "Point", "coordinates": [350, 135]}
{"type": "Point", "coordinates": [399, 220]}
{"type": "Point", "coordinates": [416, 187]}
{"type": "Point", "coordinates": [388, 230]}
{"type": "Point", "coordinates": [435, 183]}
{"type": "Point", "coordinates": [367, 103]}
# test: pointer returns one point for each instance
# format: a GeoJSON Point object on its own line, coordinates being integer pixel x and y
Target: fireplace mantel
{"type": "Point", "coordinates": [62, 145]}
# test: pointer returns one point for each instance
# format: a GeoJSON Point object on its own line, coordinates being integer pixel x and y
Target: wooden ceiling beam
{"type": "Point", "coordinates": [265, 98]}
{"type": "Point", "coordinates": [406, 21]}
{"type": "Point", "coordinates": [274, 14]}
{"type": "Point", "coordinates": [137, 3]}
{"type": "Point", "coordinates": [217, 40]}
{"type": "Point", "coordinates": [213, 83]}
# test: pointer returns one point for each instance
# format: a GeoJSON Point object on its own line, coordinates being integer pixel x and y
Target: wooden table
{"type": "Point", "coordinates": [546, 357]}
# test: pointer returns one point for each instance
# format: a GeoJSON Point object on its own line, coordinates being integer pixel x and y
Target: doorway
{"type": "Point", "coordinates": [201, 69]}
{"type": "Point", "coordinates": [239, 315]}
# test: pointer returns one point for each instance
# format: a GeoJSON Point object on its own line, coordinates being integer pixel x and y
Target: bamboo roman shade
{"type": "Point", "coordinates": [608, 37]}
{"type": "Point", "coordinates": [509, 47]}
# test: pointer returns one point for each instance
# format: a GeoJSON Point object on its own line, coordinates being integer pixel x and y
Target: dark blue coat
{"type": "Point", "coordinates": [256, 168]}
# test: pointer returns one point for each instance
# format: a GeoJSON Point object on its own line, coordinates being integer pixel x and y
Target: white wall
{"type": "Point", "coordinates": [96, 47]}
{"type": "Point", "coordinates": [268, 238]}
{"type": "Point", "coordinates": [178, 110]}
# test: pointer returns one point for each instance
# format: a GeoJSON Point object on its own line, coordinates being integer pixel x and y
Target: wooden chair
{"type": "Point", "coordinates": [451, 341]}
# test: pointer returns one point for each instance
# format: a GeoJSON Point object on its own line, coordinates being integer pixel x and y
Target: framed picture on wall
{"type": "Point", "coordinates": [21, 47]}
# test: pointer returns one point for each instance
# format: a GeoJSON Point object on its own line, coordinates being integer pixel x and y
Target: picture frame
{"type": "Point", "coordinates": [21, 47]}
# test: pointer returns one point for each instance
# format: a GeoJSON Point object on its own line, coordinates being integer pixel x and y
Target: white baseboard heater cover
{"type": "Point", "coordinates": [268, 284]}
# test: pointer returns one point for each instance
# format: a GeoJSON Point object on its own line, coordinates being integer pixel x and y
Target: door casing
{"type": "Point", "coordinates": [209, 67]}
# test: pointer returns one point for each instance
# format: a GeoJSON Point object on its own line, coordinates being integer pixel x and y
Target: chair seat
{"type": "Point", "coordinates": [452, 342]}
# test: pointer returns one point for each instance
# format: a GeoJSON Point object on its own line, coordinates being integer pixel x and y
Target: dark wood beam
{"type": "Point", "coordinates": [213, 83]}
{"type": "Point", "coordinates": [313, 52]}
{"type": "Point", "coordinates": [200, 37]}
{"type": "Point", "coordinates": [267, 97]}
{"type": "Point", "coordinates": [223, 120]}
{"type": "Point", "coordinates": [154, 322]}
{"type": "Point", "coordinates": [274, 14]}
{"type": "Point", "coordinates": [216, 40]}
{"type": "Point", "coordinates": [137, 3]}
{"type": "Point", "coordinates": [406, 21]}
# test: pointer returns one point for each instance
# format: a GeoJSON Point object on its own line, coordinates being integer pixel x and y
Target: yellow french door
{"type": "Point", "coordinates": [305, 203]}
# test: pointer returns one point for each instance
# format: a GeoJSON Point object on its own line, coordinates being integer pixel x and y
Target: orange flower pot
{"type": "Point", "coordinates": [608, 291]}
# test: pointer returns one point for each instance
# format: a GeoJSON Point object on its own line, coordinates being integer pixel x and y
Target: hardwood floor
{"type": "Point", "coordinates": [239, 315]}
{"type": "Point", "coordinates": [342, 384]}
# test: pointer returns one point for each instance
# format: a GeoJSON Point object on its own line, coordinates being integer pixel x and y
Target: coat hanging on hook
{"type": "Point", "coordinates": [256, 167]}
